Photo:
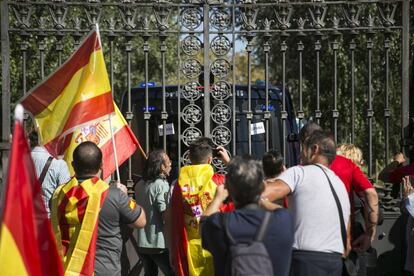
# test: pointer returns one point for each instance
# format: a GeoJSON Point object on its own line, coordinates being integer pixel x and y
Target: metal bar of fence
{"type": "Point", "coordinates": [249, 113]}
{"type": "Point", "coordinates": [164, 114]}
{"type": "Point", "coordinates": [405, 95]}
{"type": "Point", "coordinates": [318, 113]}
{"type": "Point", "coordinates": [352, 47]}
{"type": "Point", "coordinates": [207, 105]}
{"type": "Point", "coordinates": [370, 111]}
{"type": "Point", "coordinates": [234, 92]}
{"type": "Point", "coordinates": [284, 114]}
{"type": "Point", "coordinates": [300, 111]}
{"type": "Point", "coordinates": [147, 114]}
{"type": "Point", "coordinates": [266, 49]}
{"type": "Point", "coordinates": [335, 113]}
{"type": "Point", "coordinates": [386, 100]}
{"type": "Point", "coordinates": [129, 114]}
{"type": "Point", "coordinates": [5, 87]}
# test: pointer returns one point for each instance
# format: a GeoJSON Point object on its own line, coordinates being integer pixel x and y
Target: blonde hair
{"type": "Point", "coordinates": [352, 152]}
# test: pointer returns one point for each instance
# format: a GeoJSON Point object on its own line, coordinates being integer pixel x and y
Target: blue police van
{"type": "Point", "coordinates": [258, 106]}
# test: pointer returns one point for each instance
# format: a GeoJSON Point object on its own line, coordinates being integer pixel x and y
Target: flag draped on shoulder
{"type": "Point", "coordinates": [76, 94]}
{"type": "Point", "coordinates": [27, 243]}
{"type": "Point", "coordinates": [75, 214]}
{"type": "Point", "coordinates": [192, 194]}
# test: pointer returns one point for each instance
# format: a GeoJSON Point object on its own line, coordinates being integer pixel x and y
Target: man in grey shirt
{"type": "Point", "coordinates": [318, 244]}
{"type": "Point", "coordinates": [55, 175]}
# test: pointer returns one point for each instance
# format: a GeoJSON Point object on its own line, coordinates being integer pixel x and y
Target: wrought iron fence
{"type": "Point", "coordinates": [194, 44]}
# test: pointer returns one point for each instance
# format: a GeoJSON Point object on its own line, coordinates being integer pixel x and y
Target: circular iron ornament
{"type": "Point", "coordinates": [221, 90]}
{"type": "Point", "coordinates": [220, 45]}
{"type": "Point", "coordinates": [191, 68]}
{"type": "Point", "coordinates": [220, 19]}
{"type": "Point", "coordinates": [191, 18]}
{"type": "Point", "coordinates": [190, 135]}
{"type": "Point", "coordinates": [221, 113]}
{"type": "Point", "coordinates": [217, 163]}
{"type": "Point", "coordinates": [220, 68]}
{"type": "Point", "coordinates": [185, 159]}
{"type": "Point", "coordinates": [191, 45]}
{"type": "Point", "coordinates": [192, 114]}
{"type": "Point", "coordinates": [221, 136]}
{"type": "Point", "coordinates": [190, 91]}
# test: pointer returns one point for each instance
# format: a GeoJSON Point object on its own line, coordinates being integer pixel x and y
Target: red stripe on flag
{"type": "Point", "coordinates": [44, 94]}
{"type": "Point", "coordinates": [24, 212]}
{"type": "Point", "coordinates": [90, 109]}
{"type": "Point", "coordinates": [79, 193]}
{"type": "Point", "coordinates": [81, 113]}
{"type": "Point", "coordinates": [125, 143]}
{"type": "Point", "coordinates": [89, 264]}
{"type": "Point", "coordinates": [59, 145]}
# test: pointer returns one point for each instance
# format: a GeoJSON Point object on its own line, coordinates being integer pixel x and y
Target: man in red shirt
{"type": "Point", "coordinates": [354, 181]}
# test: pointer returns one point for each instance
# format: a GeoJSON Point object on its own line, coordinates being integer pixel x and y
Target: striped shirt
{"type": "Point", "coordinates": [57, 174]}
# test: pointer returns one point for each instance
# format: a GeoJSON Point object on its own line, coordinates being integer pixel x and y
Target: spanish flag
{"type": "Point", "coordinates": [100, 133]}
{"type": "Point", "coordinates": [77, 94]}
{"type": "Point", "coordinates": [27, 243]}
{"type": "Point", "coordinates": [75, 215]}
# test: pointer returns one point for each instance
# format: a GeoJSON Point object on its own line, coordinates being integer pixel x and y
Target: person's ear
{"type": "Point", "coordinates": [209, 159]}
{"type": "Point", "coordinates": [315, 149]}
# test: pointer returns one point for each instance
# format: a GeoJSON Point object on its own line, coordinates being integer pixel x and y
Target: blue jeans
{"type": "Point", "coordinates": [312, 263]}
{"type": "Point", "coordinates": [154, 261]}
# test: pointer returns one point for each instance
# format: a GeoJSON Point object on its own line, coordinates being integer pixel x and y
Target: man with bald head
{"type": "Point", "coordinates": [87, 215]}
{"type": "Point", "coordinates": [319, 205]}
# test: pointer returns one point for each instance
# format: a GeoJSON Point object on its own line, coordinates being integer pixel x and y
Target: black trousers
{"type": "Point", "coordinates": [313, 263]}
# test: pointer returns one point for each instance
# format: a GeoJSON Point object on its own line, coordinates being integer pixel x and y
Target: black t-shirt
{"type": "Point", "coordinates": [117, 209]}
{"type": "Point", "coordinates": [243, 225]}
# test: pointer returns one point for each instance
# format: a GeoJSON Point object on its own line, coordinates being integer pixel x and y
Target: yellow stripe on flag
{"type": "Point", "coordinates": [88, 82]}
{"type": "Point", "coordinates": [99, 133]}
{"type": "Point", "coordinates": [10, 257]}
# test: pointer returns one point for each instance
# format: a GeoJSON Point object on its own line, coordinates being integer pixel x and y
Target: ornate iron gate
{"type": "Point", "coordinates": [205, 36]}
{"type": "Point", "coordinates": [340, 61]}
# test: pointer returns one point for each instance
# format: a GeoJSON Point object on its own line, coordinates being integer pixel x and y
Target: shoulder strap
{"type": "Point", "coordinates": [338, 205]}
{"type": "Point", "coordinates": [45, 169]}
{"type": "Point", "coordinates": [262, 230]}
{"type": "Point", "coordinates": [226, 217]}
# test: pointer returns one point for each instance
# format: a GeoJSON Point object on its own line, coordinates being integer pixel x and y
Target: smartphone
{"type": "Point", "coordinates": [216, 153]}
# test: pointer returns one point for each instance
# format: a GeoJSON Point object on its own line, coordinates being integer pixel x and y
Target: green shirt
{"type": "Point", "coordinates": [152, 197]}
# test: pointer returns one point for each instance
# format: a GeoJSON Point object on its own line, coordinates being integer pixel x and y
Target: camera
{"type": "Point", "coordinates": [216, 153]}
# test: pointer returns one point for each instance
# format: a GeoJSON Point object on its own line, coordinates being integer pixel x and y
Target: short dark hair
{"type": "Point", "coordinates": [87, 159]}
{"type": "Point", "coordinates": [244, 180]}
{"type": "Point", "coordinates": [200, 150]}
{"type": "Point", "coordinates": [272, 162]}
{"type": "Point", "coordinates": [325, 142]}
{"type": "Point", "coordinates": [152, 169]}
{"type": "Point", "coordinates": [33, 138]}
{"type": "Point", "coordinates": [307, 130]}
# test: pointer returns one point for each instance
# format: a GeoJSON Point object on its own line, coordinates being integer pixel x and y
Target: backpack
{"type": "Point", "coordinates": [248, 258]}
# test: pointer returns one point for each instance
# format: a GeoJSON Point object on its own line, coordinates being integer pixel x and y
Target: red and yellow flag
{"type": "Point", "coordinates": [75, 214]}
{"type": "Point", "coordinates": [77, 94]}
{"type": "Point", "coordinates": [194, 191]}
{"type": "Point", "coordinates": [100, 133]}
{"type": "Point", "coordinates": [27, 244]}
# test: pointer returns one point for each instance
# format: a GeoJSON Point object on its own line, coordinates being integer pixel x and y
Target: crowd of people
{"type": "Point", "coordinates": [261, 218]}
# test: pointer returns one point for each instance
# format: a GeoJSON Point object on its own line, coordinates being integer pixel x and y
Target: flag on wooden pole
{"type": "Point", "coordinates": [74, 104]}
{"type": "Point", "coordinates": [76, 94]}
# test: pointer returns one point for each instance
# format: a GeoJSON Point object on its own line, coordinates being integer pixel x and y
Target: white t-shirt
{"type": "Point", "coordinates": [313, 208]}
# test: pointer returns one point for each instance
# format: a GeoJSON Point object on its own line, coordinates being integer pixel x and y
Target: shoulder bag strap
{"type": "Point", "coordinates": [338, 204]}
{"type": "Point", "coordinates": [226, 218]}
{"type": "Point", "coordinates": [262, 230]}
{"type": "Point", "coordinates": [45, 169]}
